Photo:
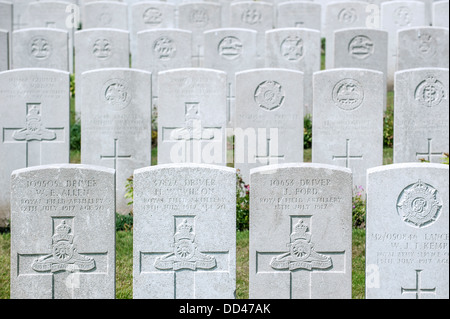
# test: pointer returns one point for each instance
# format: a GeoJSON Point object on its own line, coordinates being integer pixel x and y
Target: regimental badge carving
{"type": "Point", "coordinates": [251, 16]}
{"type": "Point", "coordinates": [302, 254]}
{"type": "Point", "coordinates": [117, 94]}
{"type": "Point", "coordinates": [430, 92]}
{"type": "Point", "coordinates": [269, 95]}
{"type": "Point", "coordinates": [193, 129]}
{"type": "Point", "coordinates": [292, 48]}
{"type": "Point", "coordinates": [230, 48]}
{"type": "Point", "coordinates": [185, 253]}
{"type": "Point", "coordinates": [40, 48]}
{"type": "Point", "coordinates": [347, 15]}
{"type": "Point", "coordinates": [102, 49]}
{"type": "Point", "coordinates": [34, 130]}
{"type": "Point", "coordinates": [199, 17]}
{"type": "Point", "coordinates": [152, 16]}
{"type": "Point", "coordinates": [426, 45]}
{"type": "Point", "coordinates": [64, 256]}
{"type": "Point", "coordinates": [164, 48]}
{"type": "Point", "coordinates": [361, 47]}
{"type": "Point", "coordinates": [348, 94]}
{"type": "Point", "coordinates": [419, 204]}
{"type": "Point", "coordinates": [402, 16]}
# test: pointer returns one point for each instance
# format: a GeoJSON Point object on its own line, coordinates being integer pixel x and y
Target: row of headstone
{"type": "Point", "coordinates": [192, 119]}
{"type": "Point", "coordinates": [184, 235]}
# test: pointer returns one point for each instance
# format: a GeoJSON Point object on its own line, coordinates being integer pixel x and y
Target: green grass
{"type": "Point", "coordinates": [124, 264]}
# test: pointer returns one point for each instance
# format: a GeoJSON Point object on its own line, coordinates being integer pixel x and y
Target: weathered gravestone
{"type": "Point", "coordinates": [269, 118]}
{"type": "Point", "coordinates": [99, 49]}
{"type": "Point", "coordinates": [34, 123]}
{"type": "Point", "coordinates": [199, 17]}
{"type": "Point", "coordinates": [299, 14]}
{"type": "Point", "coordinates": [6, 21]}
{"type": "Point", "coordinates": [421, 115]}
{"type": "Point", "coordinates": [184, 232]}
{"type": "Point", "coordinates": [40, 48]}
{"type": "Point", "coordinates": [395, 16]}
{"type": "Point", "coordinates": [145, 15]}
{"type": "Point", "coordinates": [422, 47]}
{"type": "Point", "coordinates": [105, 14]}
{"type": "Point", "coordinates": [407, 232]}
{"type": "Point", "coordinates": [192, 116]}
{"type": "Point", "coordinates": [62, 232]}
{"type": "Point", "coordinates": [364, 48]}
{"type": "Point", "coordinates": [341, 15]}
{"type": "Point", "coordinates": [4, 50]}
{"type": "Point", "coordinates": [347, 117]}
{"type": "Point", "coordinates": [162, 49]}
{"type": "Point", "coordinates": [230, 50]}
{"type": "Point", "coordinates": [300, 232]}
{"type": "Point", "coordinates": [439, 14]}
{"type": "Point", "coordinates": [295, 49]}
{"type": "Point", "coordinates": [116, 123]}
{"type": "Point", "coordinates": [258, 16]}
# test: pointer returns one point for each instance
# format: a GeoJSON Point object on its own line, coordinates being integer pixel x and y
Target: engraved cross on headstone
{"type": "Point", "coordinates": [33, 135]}
{"type": "Point", "coordinates": [60, 269]}
{"type": "Point", "coordinates": [418, 290]}
{"type": "Point", "coordinates": [429, 154]}
{"type": "Point", "coordinates": [301, 263]}
{"type": "Point", "coordinates": [187, 262]}
{"type": "Point", "coordinates": [115, 157]}
{"type": "Point", "coordinates": [230, 100]}
{"type": "Point", "coordinates": [347, 157]}
{"type": "Point", "coordinates": [269, 157]}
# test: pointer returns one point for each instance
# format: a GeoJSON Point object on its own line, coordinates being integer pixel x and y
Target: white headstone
{"type": "Point", "coordinates": [192, 117]}
{"type": "Point", "coordinates": [347, 119]}
{"type": "Point", "coordinates": [184, 232]}
{"type": "Point", "coordinates": [105, 14]}
{"type": "Point", "coordinates": [230, 50]}
{"type": "Point", "coordinates": [440, 14]}
{"type": "Point", "coordinates": [269, 118]}
{"type": "Point", "coordinates": [295, 49]}
{"type": "Point", "coordinates": [98, 49]}
{"type": "Point", "coordinates": [299, 14]}
{"type": "Point", "coordinates": [40, 48]}
{"type": "Point", "coordinates": [421, 115]}
{"type": "Point", "coordinates": [6, 19]}
{"type": "Point", "coordinates": [397, 15]}
{"type": "Point", "coordinates": [4, 50]}
{"type": "Point", "coordinates": [300, 232]}
{"type": "Point", "coordinates": [422, 47]}
{"type": "Point", "coordinates": [407, 231]}
{"type": "Point", "coordinates": [116, 123]}
{"type": "Point", "coordinates": [63, 232]}
{"type": "Point", "coordinates": [34, 123]}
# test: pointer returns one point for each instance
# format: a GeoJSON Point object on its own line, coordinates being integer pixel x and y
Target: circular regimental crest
{"type": "Point", "coordinates": [102, 49]}
{"type": "Point", "coordinates": [230, 48]}
{"type": "Point", "coordinates": [199, 17]}
{"type": "Point", "coordinates": [164, 48]}
{"type": "Point", "coordinates": [427, 45]}
{"type": "Point", "coordinates": [62, 251]}
{"type": "Point", "coordinates": [300, 249]}
{"type": "Point", "coordinates": [347, 15]}
{"type": "Point", "coordinates": [116, 93]}
{"type": "Point", "coordinates": [419, 204]}
{"type": "Point", "coordinates": [430, 92]}
{"type": "Point", "coordinates": [251, 16]}
{"type": "Point", "coordinates": [269, 95]}
{"type": "Point", "coordinates": [348, 94]}
{"type": "Point", "coordinates": [360, 47]}
{"type": "Point", "coordinates": [184, 249]}
{"type": "Point", "coordinates": [402, 16]}
{"type": "Point", "coordinates": [40, 48]}
{"type": "Point", "coordinates": [292, 48]}
{"type": "Point", "coordinates": [152, 16]}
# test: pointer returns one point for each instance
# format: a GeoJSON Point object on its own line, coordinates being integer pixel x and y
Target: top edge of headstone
{"type": "Point", "coordinates": [389, 167]}
{"type": "Point", "coordinates": [143, 2]}
{"type": "Point", "coordinates": [51, 1]}
{"type": "Point", "coordinates": [41, 29]}
{"type": "Point", "coordinates": [192, 69]}
{"type": "Point", "coordinates": [199, 2]}
{"type": "Point", "coordinates": [421, 27]}
{"type": "Point", "coordinates": [62, 166]}
{"type": "Point", "coordinates": [340, 30]}
{"type": "Point", "coordinates": [423, 69]}
{"type": "Point", "coordinates": [130, 70]}
{"type": "Point", "coordinates": [292, 29]}
{"type": "Point", "coordinates": [249, 1]}
{"type": "Point", "coordinates": [184, 165]}
{"type": "Point", "coordinates": [270, 70]}
{"type": "Point", "coordinates": [388, 3]}
{"type": "Point", "coordinates": [124, 4]}
{"type": "Point", "coordinates": [286, 2]}
{"type": "Point", "coordinates": [164, 30]}
{"type": "Point", "coordinates": [268, 169]}
{"type": "Point", "coordinates": [21, 70]}
{"type": "Point", "coordinates": [337, 70]}
{"type": "Point", "coordinates": [230, 29]}
{"type": "Point", "coordinates": [335, 2]}
{"type": "Point", "coordinates": [101, 29]}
